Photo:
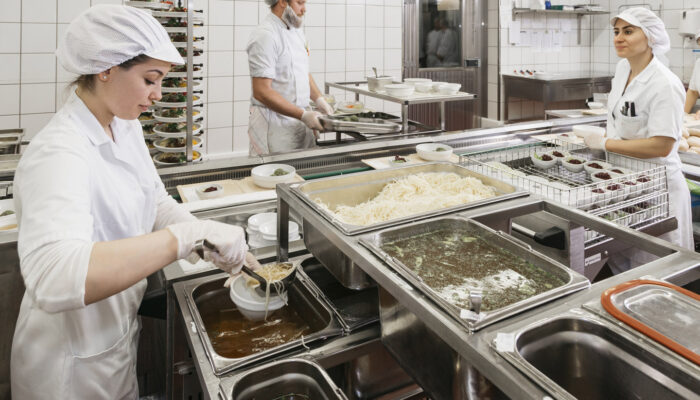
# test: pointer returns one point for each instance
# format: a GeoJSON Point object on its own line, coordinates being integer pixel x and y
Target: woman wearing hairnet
{"type": "Point", "coordinates": [94, 217]}
{"type": "Point", "coordinates": [278, 57]}
{"type": "Point", "coordinates": [645, 116]}
{"type": "Point", "coordinates": [694, 86]}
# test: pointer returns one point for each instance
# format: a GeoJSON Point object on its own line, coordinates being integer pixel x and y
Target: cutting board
{"type": "Point", "coordinates": [383, 162]}
{"type": "Point", "coordinates": [188, 193]}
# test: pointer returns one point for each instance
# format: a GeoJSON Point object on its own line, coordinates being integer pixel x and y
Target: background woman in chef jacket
{"type": "Point", "coordinates": [650, 128]}
{"type": "Point", "coordinates": [278, 57]}
{"type": "Point", "coordinates": [694, 86]}
{"type": "Point", "coordinates": [94, 217]}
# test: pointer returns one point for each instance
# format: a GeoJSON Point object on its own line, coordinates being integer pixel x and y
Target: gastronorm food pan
{"type": "Point", "coordinates": [210, 305]}
{"type": "Point", "coordinates": [516, 280]}
{"type": "Point", "coordinates": [357, 188]}
{"type": "Point", "coordinates": [353, 123]}
{"type": "Point", "coordinates": [293, 378]}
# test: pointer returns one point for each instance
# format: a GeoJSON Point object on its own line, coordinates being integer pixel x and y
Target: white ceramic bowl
{"type": "Point", "coordinates": [560, 154]}
{"type": "Point", "coordinates": [593, 105]}
{"type": "Point", "coordinates": [399, 89]}
{"type": "Point", "coordinates": [268, 230]}
{"type": "Point", "coordinates": [436, 85]}
{"type": "Point", "coordinates": [603, 175]}
{"type": "Point", "coordinates": [543, 164]}
{"type": "Point", "coordinates": [263, 175]}
{"type": "Point", "coordinates": [592, 170]}
{"type": "Point", "coordinates": [646, 183]}
{"type": "Point", "coordinates": [412, 81]}
{"type": "Point", "coordinates": [584, 130]}
{"type": "Point", "coordinates": [573, 167]}
{"type": "Point", "coordinates": [620, 171]}
{"type": "Point", "coordinates": [257, 220]}
{"type": "Point", "coordinates": [204, 194]}
{"type": "Point", "coordinates": [633, 189]}
{"type": "Point", "coordinates": [617, 191]}
{"type": "Point", "coordinates": [250, 303]}
{"type": "Point", "coordinates": [449, 88]}
{"type": "Point", "coordinates": [430, 152]}
{"type": "Point", "coordinates": [423, 87]}
{"type": "Point", "coordinates": [376, 84]}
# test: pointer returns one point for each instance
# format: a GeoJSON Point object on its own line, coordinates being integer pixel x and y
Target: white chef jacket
{"type": "Point", "coordinates": [659, 97]}
{"type": "Point", "coordinates": [279, 52]}
{"type": "Point", "coordinates": [73, 187]}
{"type": "Point", "coordinates": [694, 83]}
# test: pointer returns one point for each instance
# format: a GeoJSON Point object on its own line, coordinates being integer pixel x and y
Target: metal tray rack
{"type": "Point", "coordinates": [640, 202]}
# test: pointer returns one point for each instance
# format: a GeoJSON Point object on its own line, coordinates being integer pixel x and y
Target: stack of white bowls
{"type": "Point", "coordinates": [262, 230]}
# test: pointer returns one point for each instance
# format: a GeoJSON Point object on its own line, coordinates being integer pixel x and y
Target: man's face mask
{"type": "Point", "coordinates": [291, 18]}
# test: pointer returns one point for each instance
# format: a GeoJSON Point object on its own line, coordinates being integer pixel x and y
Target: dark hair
{"type": "Point", "coordinates": [87, 82]}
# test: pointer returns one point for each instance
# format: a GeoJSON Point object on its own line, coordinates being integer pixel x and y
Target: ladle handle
{"type": "Point", "coordinates": [263, 282]}
{"type": "Point", "coordinates": [376, 75]}
{"type": "Point", "coordinates": [201, 245]}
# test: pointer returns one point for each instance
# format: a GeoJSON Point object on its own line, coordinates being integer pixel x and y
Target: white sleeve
{"type": "Point", "coordinates": [666, 112]}
{"type": "Point", "coordinates": [695, 77]}
{"type": "Point", "coordinates": [262, 54]}
{"type": "Point", "coordinates": [168, 211]}
{"type": "Point", "coordinates": [52, 191]}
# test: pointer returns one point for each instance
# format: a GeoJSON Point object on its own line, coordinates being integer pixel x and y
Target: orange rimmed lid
{"type": "Point", "coordinates": [608, 303]}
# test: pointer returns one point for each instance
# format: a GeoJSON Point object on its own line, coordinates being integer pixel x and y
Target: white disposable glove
{"type": "Point", "coordinates": [229, 241]}
{"type": "Point", "coordinates": [595, 141]}
{"type": "Point", "coordinates": [323, 105]}
{"type": "Point", "coordinates": [310, 118]}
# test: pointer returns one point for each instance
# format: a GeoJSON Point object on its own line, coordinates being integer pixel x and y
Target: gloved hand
{"type": "Point", "coordinates": [310, 118]}
{"type": "Point", "coordinates": [323, 105]}
{"type": "Point", "coordinates": [595, 141]}
{"type": "Point", "coordinates": [229, 241]}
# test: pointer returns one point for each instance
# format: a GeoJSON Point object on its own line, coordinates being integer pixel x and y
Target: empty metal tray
{"type": "Point", "coordinates": [572, 281]}
{"type": "Point", "coordinates": [353, 123]}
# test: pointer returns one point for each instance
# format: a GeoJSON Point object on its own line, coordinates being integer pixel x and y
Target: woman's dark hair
{"type": "Point", "coordinates": [87, 82]}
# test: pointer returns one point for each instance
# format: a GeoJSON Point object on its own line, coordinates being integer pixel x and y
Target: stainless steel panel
{"type": "Point", "coordinates": [363, 125]}
{"type": "Point", "coordinates": [434, 365]}
{"type": "Point", "coordinates": [579, 356]}
{"type": "Point", "coordinates": [471, 320]}
{"type": "Point", "coordinates": [301, 296]}
{"type": "Point", "coordinates": [303, 378]}
{"type": "Point", "coordinates": [357, 188]}
{"type": "Point", "coordinates": [687, 279]}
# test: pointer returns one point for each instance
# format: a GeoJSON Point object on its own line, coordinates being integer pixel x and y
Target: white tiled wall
{"type": "Point", "coordinates": [346, 38]}
{"type": "Point", "coordinates": [596, 52]}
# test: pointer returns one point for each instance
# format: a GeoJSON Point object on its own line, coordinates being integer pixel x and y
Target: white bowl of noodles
{"type": "Point", "coordinates": [250, 303]}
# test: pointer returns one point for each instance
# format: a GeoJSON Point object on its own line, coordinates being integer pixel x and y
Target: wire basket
{"type": "Point", "coordinates": [625, 190]}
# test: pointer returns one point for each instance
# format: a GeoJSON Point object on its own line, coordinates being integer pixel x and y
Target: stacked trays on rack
{"type": "Point", "coordinates": [621, 189]}
{"type": "Point", "coordinates": [165, 124]}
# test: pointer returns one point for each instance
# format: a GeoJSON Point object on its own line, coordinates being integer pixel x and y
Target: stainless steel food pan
{"type": "Point", "coordinates": [468, 318]}
{"type": "Point", "coordinates": [357, 188]}
{"type": "Point", "coordinates": [362, 125]}
{"type": "Point", "coordinates": [278, 379]}
{"type": "Point", "coordinates": [209, 292]}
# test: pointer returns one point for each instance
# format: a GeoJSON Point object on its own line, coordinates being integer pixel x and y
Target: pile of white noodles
{"type": "Point", "coordinates": [412, 195]}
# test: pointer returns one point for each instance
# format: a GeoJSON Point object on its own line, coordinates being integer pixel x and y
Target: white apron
{"type": "Point", "coordinates": [280, 53]}
{"type": "Point", "coordinates": [74, 187]}
{"type": "Point", "coordinates": [658, 96]}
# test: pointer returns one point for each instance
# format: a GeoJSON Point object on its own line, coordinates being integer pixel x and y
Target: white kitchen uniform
{"type": "Point", "coordinates": [658, 96]}
{"type": "Point", "coordinates": [74, 187]}
{"type": "Point", "coordinates": [694, 83]}
{"type": "Point", "coordinates": [279, 52]}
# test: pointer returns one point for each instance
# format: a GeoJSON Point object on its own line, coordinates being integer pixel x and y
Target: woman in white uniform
{"type": "Point", "coordinates": [94, 217]}
{"type": "Point", "coordinates": [645, 116]}
{"type": "Point", "coordinates": [278, 57]}
{"type": "Point", "coordinates": [694, 85]}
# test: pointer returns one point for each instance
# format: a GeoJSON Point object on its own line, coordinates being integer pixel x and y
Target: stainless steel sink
{"type": "Point", "coordinates": [287, 379]}
{"type": "Point", "coordinates": [687, 279]}
{"type": "Point", "coordinates": [584, 358]}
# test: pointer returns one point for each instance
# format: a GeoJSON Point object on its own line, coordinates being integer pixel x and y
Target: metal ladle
{"type": "Point", "coordinates": [376, 75]}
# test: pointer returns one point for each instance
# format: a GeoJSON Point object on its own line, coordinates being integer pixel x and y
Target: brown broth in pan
{"type": "Point", "coordinates": [452, 261]}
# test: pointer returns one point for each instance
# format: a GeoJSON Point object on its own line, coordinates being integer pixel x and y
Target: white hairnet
{"type": "Point", "coordinates": [652, 26]}
{"type": "Point", "coordinates": [106, 35]}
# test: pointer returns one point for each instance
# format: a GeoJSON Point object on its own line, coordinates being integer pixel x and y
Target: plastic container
{"type": "Point", "coordinates": [263, 175]}
{"type": "Point", "coordinates": [430, 152]}
{"type": "Point", "coordinates": [250, 303]}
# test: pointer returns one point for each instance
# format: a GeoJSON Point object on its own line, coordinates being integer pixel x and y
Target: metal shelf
{"type": "Point", "coordinates": [360, 88]}
{"type": "Point", "coordinates": [578, 13]}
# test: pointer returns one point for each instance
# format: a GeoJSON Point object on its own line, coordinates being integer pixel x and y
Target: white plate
{"type": "Point", "coordinates": [183, 118]}
{"type": "Point", "coordinates": [161, 163]}
{"type": "Point", "coordinates": [158, 144]}
{"type": "Point", "coordinates": [184, 44]}
{"type": "Point", "coordinates": [196, 73]}
{"type": "Point", "coordinates": [197, 129]}
{"type": "Point", "coordinates": [181, 104]}
{"type": "Point", "coordinates": [178, 89]}
{"type": "Point", "coordinates": [358, 107]}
